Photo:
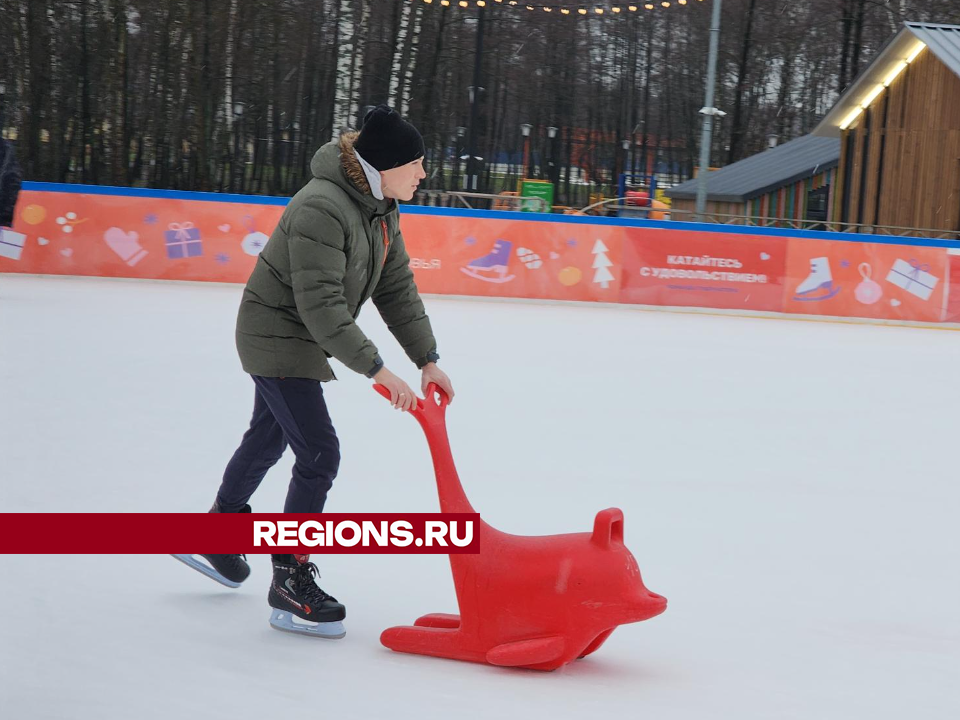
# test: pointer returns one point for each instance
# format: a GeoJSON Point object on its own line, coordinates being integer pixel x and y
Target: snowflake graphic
{"type": "Point", "coordinates": [572, 243]}
{"type": "Point", "coordinates": [223, 258]}
{"type": "Point", "coordinates": [845, 263]}
{"type": "Point", "coordinates": [253, 243]}
{"type": "Point", "coordinates": [150, 219]}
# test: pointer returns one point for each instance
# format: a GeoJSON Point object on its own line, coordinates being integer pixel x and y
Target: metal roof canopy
{"type": "Point", "coordinates": [765, 172]}
{"type": "Point", "coordinates": [942, 40]}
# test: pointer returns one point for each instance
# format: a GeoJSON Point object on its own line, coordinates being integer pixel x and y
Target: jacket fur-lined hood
{"type": "Point", "coordinates": [336, 162]}
{"type": "Point", "coordinates": [350, 164]}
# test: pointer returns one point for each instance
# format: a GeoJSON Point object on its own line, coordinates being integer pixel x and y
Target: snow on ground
{"type": "Point", "coordinates": [791, 487]}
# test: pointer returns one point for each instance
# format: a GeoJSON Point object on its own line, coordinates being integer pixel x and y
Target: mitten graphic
{"type": "Point", "coordinates": [125, 244]}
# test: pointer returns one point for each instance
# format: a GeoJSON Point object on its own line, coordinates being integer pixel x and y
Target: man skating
{"type": "Point", "coordinates": [338, 244]}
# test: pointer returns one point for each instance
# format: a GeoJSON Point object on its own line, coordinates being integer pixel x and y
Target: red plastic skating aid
{"type": "Point", "coordinates": [530, 602]}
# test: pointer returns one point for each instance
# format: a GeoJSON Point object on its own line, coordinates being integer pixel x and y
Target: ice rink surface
{"type": "Point", "coordinates": [791, 487]}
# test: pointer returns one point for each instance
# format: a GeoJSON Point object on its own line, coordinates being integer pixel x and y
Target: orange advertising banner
{"type": "Point", "coordinates": [952, 313]}
{"type": "Point", "coordinates": [173, 238]}
{"type": "Point", "coordinates": [868, 280]}
{"type": "Point", "coordinates": [697, 269]}
{"type": "Point", "coordinates": [66, 233]}
{"type": "Point", "coordinates": [131, 233]}
{"type": "Point", "coordinates": [513, 258]}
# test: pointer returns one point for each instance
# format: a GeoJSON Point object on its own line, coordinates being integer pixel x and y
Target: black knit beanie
{"type": "Point", "coordinates": [387, 140]}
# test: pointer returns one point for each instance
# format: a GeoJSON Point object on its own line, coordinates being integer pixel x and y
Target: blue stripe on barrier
{"type": "Point", "coordinates": [676, 225]}
{"type": "Point", "coordinates": [151, 193]}
{"type": "Point", "coordinates": [504, 215]}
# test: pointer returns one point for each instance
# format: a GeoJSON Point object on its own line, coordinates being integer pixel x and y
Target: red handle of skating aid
{"type": "Point", "coordinates": [424, 406]}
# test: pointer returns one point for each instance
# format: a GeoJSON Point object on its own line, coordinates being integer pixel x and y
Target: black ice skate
{"type": "Point", "coordinates": [229, 570]}
{"type": "Point", "coordinates": [299, 605]}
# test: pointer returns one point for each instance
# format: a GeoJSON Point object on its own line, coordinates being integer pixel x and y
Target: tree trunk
{"type": "Point", "coordinates": [736, 131]}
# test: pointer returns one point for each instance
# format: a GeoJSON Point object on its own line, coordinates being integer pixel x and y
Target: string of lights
{"type": "Point", "coordinates": [573, 10]}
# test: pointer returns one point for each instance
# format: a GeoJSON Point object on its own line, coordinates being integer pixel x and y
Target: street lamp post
{"type": "Point", "coordinates": [237, 175]}
{"type": "Point", "coordinates": [473, 170]}
{"type": "Point", "coordinates": [551, 161]}
{"type": "Point", "coordinates": [709, 112]}
{"type": "Point", "coordinates": [626, 156]}
{"type": "Point", "coordinates": [473, 161]}
{"type": "Point", "coordinates": [461, 131]}
{"type": "Point", "coordinates": [525, 129]}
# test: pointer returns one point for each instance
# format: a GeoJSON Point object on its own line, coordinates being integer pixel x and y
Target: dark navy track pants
{"type": "Point", "coordinates": [286, 411]}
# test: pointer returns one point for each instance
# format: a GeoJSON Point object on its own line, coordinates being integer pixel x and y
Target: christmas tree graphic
{"type": "Point", "coordinates": [600, 263]}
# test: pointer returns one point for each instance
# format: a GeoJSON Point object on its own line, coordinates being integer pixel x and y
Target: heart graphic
{"type": "Point", "coordinates": [43, 241]}
{"type": "Point", "coordinates": [67, 252]}
{"type": "Point", "coordinates": [764, 256]}
{"type": "Point", "coordinates": [895, 302]}
{"type": "Point", "coordinates": [223, 228]}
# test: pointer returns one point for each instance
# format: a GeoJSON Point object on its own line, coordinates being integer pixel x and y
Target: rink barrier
{"type": "Point", "coordinates": [175, 235]}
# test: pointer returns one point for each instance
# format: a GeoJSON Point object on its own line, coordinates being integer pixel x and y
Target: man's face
{"type": "Point", "coordinates": [401, 182]}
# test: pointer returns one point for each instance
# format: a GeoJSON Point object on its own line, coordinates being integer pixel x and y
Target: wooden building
{"type": "Point", "coordinates": [790, 185]}
{"type": "Point", "coordinates": [899, 129]}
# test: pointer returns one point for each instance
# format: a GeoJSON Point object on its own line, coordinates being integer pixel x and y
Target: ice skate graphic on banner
{"type": "Point", "coordinates": [818, 284]}
{"type": "Point", "coordinates": [867, 292]}
{"type": "Point", "coordinates": [493, 266]}
{"type": "Point", "coordinates": [11, 244]}
{"type": "Point", "coordinates": [913, 277]}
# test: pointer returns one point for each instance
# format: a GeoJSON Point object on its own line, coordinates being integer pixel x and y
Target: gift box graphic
{"type": "Point", "coordinates": [913, 277]}
{"type": "Point", "coordinates": [11, 244]}
{"type": "Point", "coordinates": [183, 241]}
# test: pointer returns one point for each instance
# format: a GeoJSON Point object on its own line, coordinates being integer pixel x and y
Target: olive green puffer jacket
{"type": "Point", "coordinates": [335, 247]}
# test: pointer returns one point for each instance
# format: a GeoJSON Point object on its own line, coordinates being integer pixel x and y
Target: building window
{"type": "Point", "coordinates": [817, 206]}
{"type": "Point", "coordinates": [817, 203]}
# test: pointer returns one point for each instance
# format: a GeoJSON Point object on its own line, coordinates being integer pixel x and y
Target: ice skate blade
{"type": "Point", "coordinates": [206, 570]}
{"type": "Point", "coordinates": [807, 297]}
{"type": "Point", "coordinates": [487, 278]}
{"type": "Point", "coordinates": [282, 620]}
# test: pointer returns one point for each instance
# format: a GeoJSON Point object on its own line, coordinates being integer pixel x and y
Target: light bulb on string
{"type": "Point", "coordinates": [633, 8]}
{"type": "Point", "coordinates": [582, 11]}
{"type": "Point", "coordinates": [665, 3]}
{"type": "Point", "coordinates": [464, 3]}
{"type": "Point", "coordinates": [615, 9]}
{"type": "Point", "coordinates": [598, 11]}
{"type": "Point", "coordinates": [481, 3]}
